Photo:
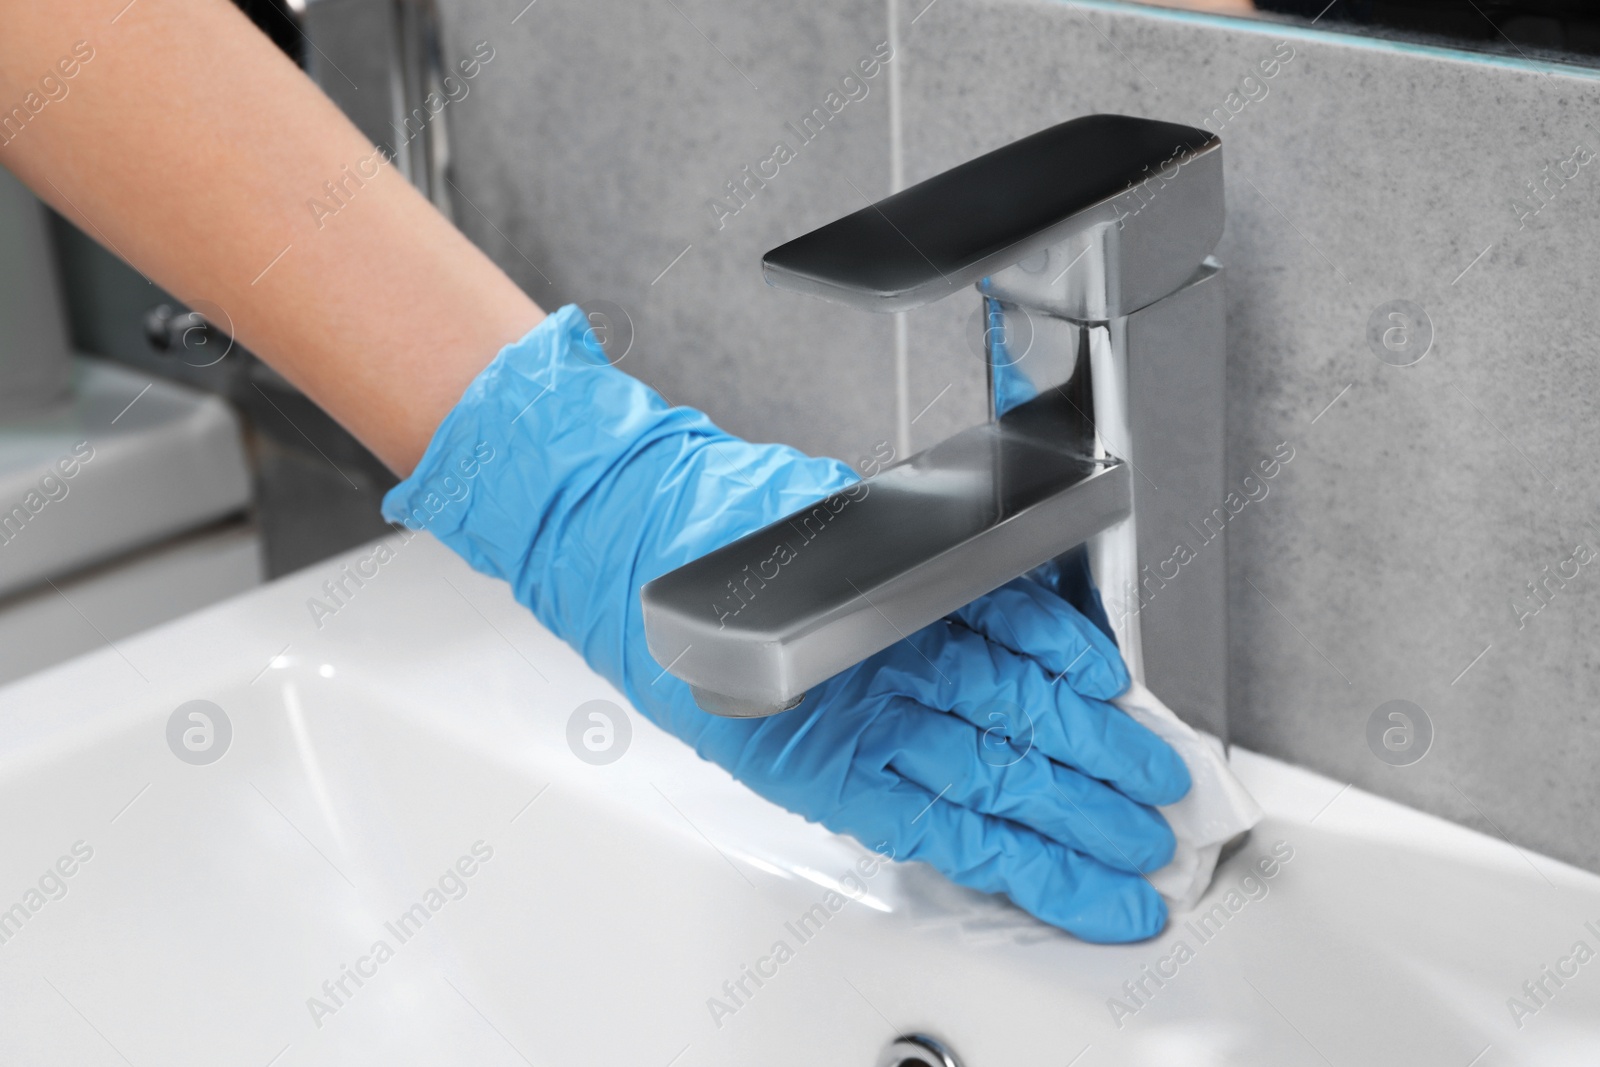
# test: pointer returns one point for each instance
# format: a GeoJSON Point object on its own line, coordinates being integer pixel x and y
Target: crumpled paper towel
{"type": "Point", "coordinates": [1216, 809]}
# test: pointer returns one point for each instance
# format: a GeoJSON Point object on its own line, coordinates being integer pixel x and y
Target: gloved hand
{"type": "Point", "coordinates": [982, 744]}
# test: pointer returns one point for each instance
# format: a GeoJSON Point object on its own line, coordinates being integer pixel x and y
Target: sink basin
{"type": "Point", "coordinates": [395, 770]}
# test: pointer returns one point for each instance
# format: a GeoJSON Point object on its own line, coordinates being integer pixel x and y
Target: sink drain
{"type": "Point", "coordinates": [917, 1050]}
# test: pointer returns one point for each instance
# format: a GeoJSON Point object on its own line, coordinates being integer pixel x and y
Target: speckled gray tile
{"type": "Point", "coordinates": [1392, 557]}
{"type": "Point", "coordinates": [593, 144]}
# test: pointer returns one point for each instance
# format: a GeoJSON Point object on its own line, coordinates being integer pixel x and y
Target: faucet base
{"type": "Point", "coordinates": [735, 708]}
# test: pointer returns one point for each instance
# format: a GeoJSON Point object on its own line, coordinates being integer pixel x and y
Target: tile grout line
{"type": "Point", "coordinates": [897, 181]}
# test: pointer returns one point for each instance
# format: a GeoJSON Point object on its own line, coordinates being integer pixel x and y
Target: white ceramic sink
{"type": "Point", "coordinates": [425, 725]}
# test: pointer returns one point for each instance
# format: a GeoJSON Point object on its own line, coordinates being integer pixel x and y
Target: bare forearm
{"type": "Point", "coordinates": [190, 146]}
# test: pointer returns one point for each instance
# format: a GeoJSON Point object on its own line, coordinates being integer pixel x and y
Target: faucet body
{"type": "Point", "coordinates": [1104, 340]}
{"type": "Point", "coordinates": [1148, 389]}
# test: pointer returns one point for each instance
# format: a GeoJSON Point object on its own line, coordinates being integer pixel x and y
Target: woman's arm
{"type": "Point", "coordinates": [382, 313]}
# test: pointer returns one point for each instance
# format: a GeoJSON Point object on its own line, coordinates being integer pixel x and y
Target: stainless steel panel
{"type": "Point", "coordinates": [758, 622]}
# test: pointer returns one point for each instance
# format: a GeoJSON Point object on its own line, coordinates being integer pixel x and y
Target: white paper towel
{"type": "Point", "coordinates": [1216, 809]}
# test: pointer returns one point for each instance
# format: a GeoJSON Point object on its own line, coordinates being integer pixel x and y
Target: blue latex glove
{"type": "Point", "coordinates": [982, 744]}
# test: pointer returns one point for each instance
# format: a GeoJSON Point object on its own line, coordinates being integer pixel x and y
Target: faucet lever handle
{"type": "Point", "coordinates": [1145, 195]}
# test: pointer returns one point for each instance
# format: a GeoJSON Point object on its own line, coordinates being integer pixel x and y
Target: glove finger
{"type": "Point", "coordinates": [996, 776]}
{"type": "Point", "coordinates": [1032, 621]}
{"type": "Point", "coordinates": [978, 679]}
{"type": "Point", "coordinates": [1064, 888]}
{"type": "Point", "coordinates": [1071, 578]}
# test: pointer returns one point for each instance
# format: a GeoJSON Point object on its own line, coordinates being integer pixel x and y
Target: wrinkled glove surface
{"type": "Point", "coordinates": [983, 745]}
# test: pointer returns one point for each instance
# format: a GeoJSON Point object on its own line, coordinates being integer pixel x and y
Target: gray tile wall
{"type": "Point", "coordinates": [1391, 551]}
{"type": "Point", "coordinates": [588, 154]}
{"type": "Point", "coordinates": [1391, 556]}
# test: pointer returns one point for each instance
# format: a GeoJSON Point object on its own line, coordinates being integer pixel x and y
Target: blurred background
{"type": "Point", "coordinates": [215, 473]}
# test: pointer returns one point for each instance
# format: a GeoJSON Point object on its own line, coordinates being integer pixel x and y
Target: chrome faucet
{"type": "Point", "coordinates": [1089, 244]}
